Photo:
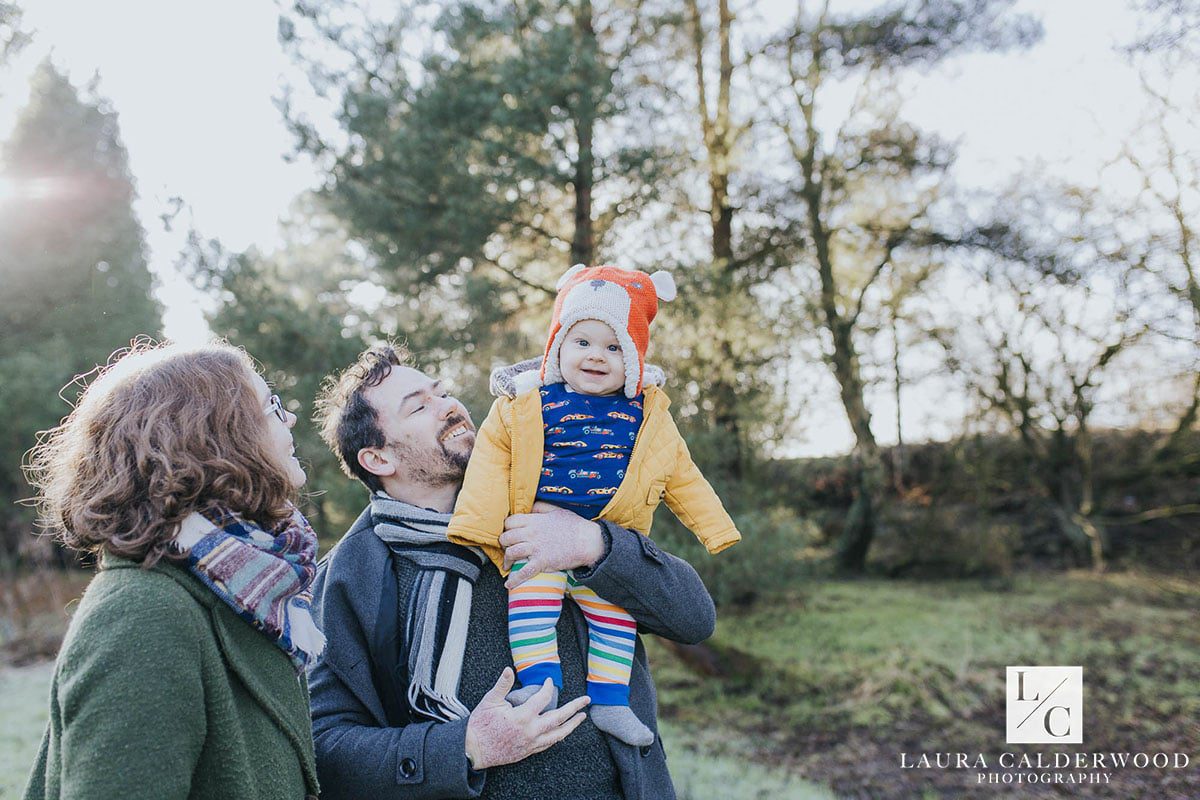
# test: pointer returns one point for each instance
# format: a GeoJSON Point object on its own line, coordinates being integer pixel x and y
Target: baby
{"type": "Point", "coordinates": [585, 434]}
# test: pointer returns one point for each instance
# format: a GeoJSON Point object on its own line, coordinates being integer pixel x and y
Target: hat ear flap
{"type": "Point", "coordinates": [664, 285]}
{"type": "Point", "coordinates": [572, 272]}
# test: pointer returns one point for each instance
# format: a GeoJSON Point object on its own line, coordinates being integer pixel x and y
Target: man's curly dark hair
{"type": "Point", "coordinates": [347, 420]}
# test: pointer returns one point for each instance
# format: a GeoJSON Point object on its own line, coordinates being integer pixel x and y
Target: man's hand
{"type": "Point", "coordinates": [551, 539]}
{"type": "Point", "coordinates": [498, 733]}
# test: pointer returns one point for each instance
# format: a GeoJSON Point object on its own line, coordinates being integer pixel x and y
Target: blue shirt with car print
{"type": "Point", "coordinates": [588, 441]}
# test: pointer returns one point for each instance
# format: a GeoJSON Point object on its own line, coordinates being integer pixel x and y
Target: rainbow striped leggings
{"type": "Point", "coordinates": [533, 611]}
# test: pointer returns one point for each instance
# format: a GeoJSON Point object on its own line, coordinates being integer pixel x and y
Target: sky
{"type": "Point", "coordinates": [194, 84]}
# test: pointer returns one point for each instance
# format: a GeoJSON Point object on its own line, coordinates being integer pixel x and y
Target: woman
{"type": "Point", "coordinates": [181, 675]}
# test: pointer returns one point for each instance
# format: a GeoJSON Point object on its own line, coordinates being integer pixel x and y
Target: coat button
{"type": "Point", "coordinates": [650, 549]}
{"type": "Point", "coordinates": [408, 768]}
{"type": "Point", "coordinates": [644, 750]}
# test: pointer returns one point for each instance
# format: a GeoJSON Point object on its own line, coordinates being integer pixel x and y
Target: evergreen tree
{"type": "Point", "coordinates": [73, 261]}
{"type": "Point", "coordinates": [478, 171]}
{"type": "Point", "coordinates": [292, 311]}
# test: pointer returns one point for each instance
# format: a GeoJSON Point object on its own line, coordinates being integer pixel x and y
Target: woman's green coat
{"type": "Point", "coordinates": [162, 691]}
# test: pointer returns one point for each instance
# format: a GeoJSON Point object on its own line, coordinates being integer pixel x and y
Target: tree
{"type": "Point", "coordinates": [478, 171]}
{"type": "Point", "coordinates": [1161, 226]}
{"type": "Point", "coordinates": [725, 336]}
{"type": "Point", "coordinates": [1174, 28]}
{"type": "Point", "coordinates": [864, 192]}
{"type": "Point", "coordinates": [1167, 236]}
{"type": "Point", "coordinates": [1163, 157]}
{"type": "Point", "coordinates": [1064, 308]}
{"type": "Point", "coordinates": [720, 292]}
{"type": "Point", "coordinates": [292, 311]}
{"type": "Point", "coordinates": [72, 256]}
{"type": "Point", "coordinates": [12, 38]}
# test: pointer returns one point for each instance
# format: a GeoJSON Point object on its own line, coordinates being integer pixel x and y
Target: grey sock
{"type": "Point", "coordinates": [520, 696]}
{"type": "Point", "coordinates": [621, 722]}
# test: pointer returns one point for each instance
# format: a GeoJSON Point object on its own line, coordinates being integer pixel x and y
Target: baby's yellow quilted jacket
{"type": "Point", "coordinates": [506, 465]}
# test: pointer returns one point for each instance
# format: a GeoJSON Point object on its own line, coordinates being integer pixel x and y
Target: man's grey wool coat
{"type": "Point", "coordinates": [359, 754]}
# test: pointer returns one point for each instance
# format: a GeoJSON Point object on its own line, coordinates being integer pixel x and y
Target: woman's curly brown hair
{"type": "Point", "coordinates": [161, 432]}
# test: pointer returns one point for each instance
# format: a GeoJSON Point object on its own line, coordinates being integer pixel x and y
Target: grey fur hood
{"type": "Point", "coordinates": [522, 376]}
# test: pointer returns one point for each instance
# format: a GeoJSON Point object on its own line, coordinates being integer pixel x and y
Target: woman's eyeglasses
{"type": "Point", "coordinates": [275, 406]}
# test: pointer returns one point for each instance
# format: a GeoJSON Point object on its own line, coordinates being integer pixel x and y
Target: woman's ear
{"type": "Point", "coordinates": [573, 271]}
{"type": "Point", "coordinates": [664, 285]}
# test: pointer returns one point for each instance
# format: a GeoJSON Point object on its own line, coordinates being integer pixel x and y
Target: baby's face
{"type": "Point", "coordinates": [591, 359]}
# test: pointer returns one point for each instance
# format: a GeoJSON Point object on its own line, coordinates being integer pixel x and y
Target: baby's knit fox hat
{"type": "Point", "coordinates": [624, 299]}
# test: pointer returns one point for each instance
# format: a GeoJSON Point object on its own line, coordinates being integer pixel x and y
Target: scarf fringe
{"type": "Point", "coordinates": [193, 528]}
{"type": "Point", "coordinates": [433, 671]}
{"type": "Point", "coordinates": [304, 632]}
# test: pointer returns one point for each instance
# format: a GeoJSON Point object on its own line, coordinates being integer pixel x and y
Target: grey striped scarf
{"type": "Point", "coordinates": [439, 608]}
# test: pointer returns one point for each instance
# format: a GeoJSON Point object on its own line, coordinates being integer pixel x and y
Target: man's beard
{"type": "Point", "coordinates": [436, 465]}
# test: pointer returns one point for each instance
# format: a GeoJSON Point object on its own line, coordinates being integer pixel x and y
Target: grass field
{"type": "Point", "coordinates": [700, 776]}
{"type": "Point", "coordinates": [827, 684]}
{"type": "Point", "coordinates": [835, 679]}
{"type": "Point", "coordinates": [23, 693]}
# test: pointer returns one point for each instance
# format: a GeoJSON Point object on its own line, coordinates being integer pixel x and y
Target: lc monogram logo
{"type": "Point", "coordinates": [1045, 705]}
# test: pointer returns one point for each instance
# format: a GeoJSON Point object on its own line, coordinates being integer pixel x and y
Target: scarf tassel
{"type": "Point", "coordinates": [305, 634]}
{"type": "Point", "coordinates": [439, 607]}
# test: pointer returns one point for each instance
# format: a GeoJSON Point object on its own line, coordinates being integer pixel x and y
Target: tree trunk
{"type": "Point", "coordinates": [1087, 501]}
{"type": "Point", "coordinates": [320, 513]}
{"type": "Point", "coordinates": [718, 143]}
{"type": "Point", "coordinates": [583, 241]}
{"type": "Point", "coordinates": [898, 453]}
{"type": "Point", "coordinates": [859, 528]}
{"type": "Point", "coordinates": [1083, 533]}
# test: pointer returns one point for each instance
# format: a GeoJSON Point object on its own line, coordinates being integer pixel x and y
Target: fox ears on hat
{"type": "Point", "coordinates": [664, 284]}
{"type": "Point", "coordinates": [571, 273]}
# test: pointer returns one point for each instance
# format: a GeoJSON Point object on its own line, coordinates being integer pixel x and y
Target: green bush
{"type": "Point", "coordinates": [950, 541]}
{"type": "Point", "coordinates": [773, 554]}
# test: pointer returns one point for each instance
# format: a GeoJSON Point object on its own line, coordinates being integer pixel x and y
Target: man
{"type": "Point", "coordinates": [408, 698]}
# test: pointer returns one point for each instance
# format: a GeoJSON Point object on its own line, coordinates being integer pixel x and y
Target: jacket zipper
{"type": "Point", "coordinates": [632, 452]}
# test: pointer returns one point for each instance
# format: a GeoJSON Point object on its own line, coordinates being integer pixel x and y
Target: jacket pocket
{"type": "Point", "coordinates": [658, 490]}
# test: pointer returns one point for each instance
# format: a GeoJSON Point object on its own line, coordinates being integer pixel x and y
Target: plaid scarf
{"type": "Point", "coordinates": [263, 576]}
